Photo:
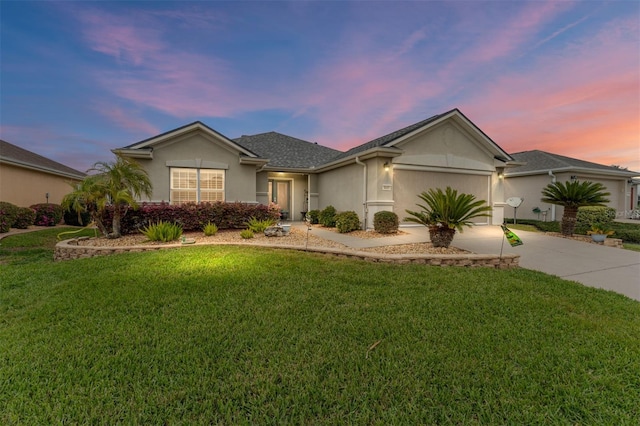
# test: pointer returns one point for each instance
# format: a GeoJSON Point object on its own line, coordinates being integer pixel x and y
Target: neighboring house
{"type": "Point", "coordinates": [27, 178]}
{"type": "Point", "coordinates": [539, 168]}
{"type": "Point", "coordinates": [196, 163]}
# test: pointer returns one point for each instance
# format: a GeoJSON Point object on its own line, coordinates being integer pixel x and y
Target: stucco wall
{"type": "Point", "coordinates": [240, 180]}
{"type": "Point", "coordinates": [530, 187]}
{"type": "Point", "coordinates": [25, 187]}
{"type": "Point", "coordinates": [342, 188]}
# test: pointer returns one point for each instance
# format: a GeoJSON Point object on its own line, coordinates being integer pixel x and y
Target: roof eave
{"type": "Point", "coordinates": [42, 169]}
{"type": "Point", "coordinates": [144, 153]}
{"type": "Point", "coordinates": [379, 151]}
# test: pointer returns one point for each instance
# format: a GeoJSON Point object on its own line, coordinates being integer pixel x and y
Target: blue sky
{"type": "Point", "coordinates": [81, 78]}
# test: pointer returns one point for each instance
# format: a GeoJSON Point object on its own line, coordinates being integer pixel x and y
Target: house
{"type": "Point", "coordinates": [27, 178]}
{"type": "Point", "coordinates": [197, 163]}
{"type": "Point", "coordinates": [537, 169]}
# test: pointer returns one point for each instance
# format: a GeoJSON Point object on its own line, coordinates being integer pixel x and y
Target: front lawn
{"type": "Point", "coordinates": [240, 335]}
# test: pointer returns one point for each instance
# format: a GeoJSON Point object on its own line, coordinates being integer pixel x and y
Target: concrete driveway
{"type": "Point", "coordinates": [590, 264]}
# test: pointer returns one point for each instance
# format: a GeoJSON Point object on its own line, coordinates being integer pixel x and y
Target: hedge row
{"type": "Point", "coordinates": [192, 216]}
{"type": "Point", "coordinates": [12, 216]}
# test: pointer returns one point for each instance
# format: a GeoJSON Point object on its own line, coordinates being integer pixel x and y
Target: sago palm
{"type": "Point", "coordinates": [573, 195]}
{"type": "Point", "coordinates": [444, 212]}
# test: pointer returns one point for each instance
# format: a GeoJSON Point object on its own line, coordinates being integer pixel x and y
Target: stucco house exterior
{"type": "Point", "coordinates": [197, 163]}
{"type": "Point", "coordinates": [534, 170]}
{"type": "Point", "coordinates": [27, 178]}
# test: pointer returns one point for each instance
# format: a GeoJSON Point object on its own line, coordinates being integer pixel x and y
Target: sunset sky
{"type": "Point", "coordinates": [81, 78]}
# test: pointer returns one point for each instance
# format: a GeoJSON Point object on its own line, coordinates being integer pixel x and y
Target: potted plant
{"type": "Point", "coordinates": [598, 233]}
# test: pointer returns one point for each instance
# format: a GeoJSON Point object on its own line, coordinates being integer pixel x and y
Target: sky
{"type": "Point", "coordinates": [78, 79]}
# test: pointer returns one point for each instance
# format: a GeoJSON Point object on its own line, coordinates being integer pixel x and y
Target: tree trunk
{"type": "Point", "coordinates": [116, 224]}
{"type": "Point", "coordinates": [440, 236]}
{"type": "Point", "coordinates": [95, 216]}
{"type": "Point", "coordinates": [568, 224]}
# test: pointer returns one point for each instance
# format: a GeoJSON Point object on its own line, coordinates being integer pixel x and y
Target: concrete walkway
{"type": "Point", "coordinates": [590, 264]}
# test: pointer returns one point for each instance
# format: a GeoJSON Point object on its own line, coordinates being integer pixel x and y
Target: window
{"type": "Point", "coordinates": [196, 185]}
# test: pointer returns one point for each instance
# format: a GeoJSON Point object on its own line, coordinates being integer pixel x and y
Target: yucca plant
{"type": "Point", "coordinates": [445, 212]}
{"type": "Point", "coordinates": [162, 231]}
{"type": "Point", "coordinates": [572, 195]}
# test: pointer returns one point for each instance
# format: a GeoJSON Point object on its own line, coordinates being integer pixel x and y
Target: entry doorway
{"type": "Point", "coordinates": [280, 193]}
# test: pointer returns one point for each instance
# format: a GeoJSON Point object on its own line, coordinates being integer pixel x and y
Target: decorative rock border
{"type": "Point", "coordinates": [69, 249]}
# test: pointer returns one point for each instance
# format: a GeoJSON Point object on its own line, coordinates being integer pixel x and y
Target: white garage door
{"type": "Point", "coordinates": [407, 184]}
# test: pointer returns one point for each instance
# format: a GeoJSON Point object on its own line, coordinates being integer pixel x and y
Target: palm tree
{"type": "Point", "coordinates": [572, 195]}
{"type": "Point", "coordinates": [445, 212]}
{"type": "Point", "coordinates": [117, 184]}
{"type": "Point", "coordinates": [87, 197]}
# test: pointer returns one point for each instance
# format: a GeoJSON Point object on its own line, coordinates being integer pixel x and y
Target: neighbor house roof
{"type": "Point", "coordinates": [537, 162]}
{"type": "Point", "coordinates": [16, 156]}
{"type": "Point", "coordinates": [287, 152]}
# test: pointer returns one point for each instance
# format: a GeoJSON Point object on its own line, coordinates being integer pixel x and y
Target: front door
{"type": "Point", "coordinates": [280, 193]}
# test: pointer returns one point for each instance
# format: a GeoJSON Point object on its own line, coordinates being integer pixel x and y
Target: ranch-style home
{"type": "Point", "coordinates": [195, 163]}
{"type": "Point", "coordinates": [537, 169]}
{"type": "Point", "coordinates": [27, 178]}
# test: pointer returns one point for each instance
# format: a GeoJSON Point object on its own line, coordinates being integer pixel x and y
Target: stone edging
{"type": "Point", "coordinates": [69, 249]}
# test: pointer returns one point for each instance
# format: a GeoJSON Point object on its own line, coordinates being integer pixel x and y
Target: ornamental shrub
{"type": "Point", "coordinates": [47, 214]}
{"type": "Point", "coordinates": [327, 217]}
{"type": "Point", "coordinates": [25, 218]}
{"type": "Point", "coordinates": [210, 229]}
{"type": "Point", "coordinates": [347, 222]}
{"type": "Point", "coordinates": [163, 231]}
{"type": "Point", "coordinates": [258, 226]}
{"type": "Point", "coordinates": [594, 216]}
{"type": "Point", "coordinates": [314, 216]}
{"type": "Point", "coordinates": [385, 222]}
{"type": "Point", "coordinates": [246, 234]}
{"type": "Point", "coordinates": [8, 215]}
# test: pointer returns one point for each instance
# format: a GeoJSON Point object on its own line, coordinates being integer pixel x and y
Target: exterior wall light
{"type": "Point", "coordinates": [386, 166]}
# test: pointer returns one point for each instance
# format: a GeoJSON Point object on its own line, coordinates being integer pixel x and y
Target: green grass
{"type": "Point", "coordinates": [629, 246]}
{"type": "Point", "coordinates": [239, 335]}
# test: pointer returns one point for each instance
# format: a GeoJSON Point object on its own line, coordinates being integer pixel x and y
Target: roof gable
{"type": "Point", "coordinates": [542, 161]}
{"type": "Point", "coordinates": [149, 143]}
{"type": "Point", "coordinates": [13, 154]}
{"type": "Point", "coordinates": [392, 139]}
{"type": "Point", "coordinates": [287, 152]}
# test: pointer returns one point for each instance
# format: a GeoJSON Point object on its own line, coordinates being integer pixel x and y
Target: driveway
{"type": "Point", "coordinates": [590, 264]}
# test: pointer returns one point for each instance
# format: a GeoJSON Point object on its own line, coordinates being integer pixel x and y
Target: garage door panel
{"type": "Point", "coordinates": [407, 184]}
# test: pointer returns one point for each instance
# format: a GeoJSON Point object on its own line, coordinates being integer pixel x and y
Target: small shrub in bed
{"type": "Point", "coordinates": [163, 231]}
{"type": "Point", "coordinates": [8, 214]}
{"type": "Point", "coordinates": [25, 218]}
{"type": "Point", "coordinates": [258, 226]}
{"type": "Point", "coordinates": [385, 222]}
{"type": "Point", "coordinates": [47, 214]}
{"type": "Point", "coordinates": [347, 222]}
{"type": "Point", "coordinates": [210, 229]}
{"type": "Point", "coordinates": [314, 216]}
{"type": "Point", "coordinates": [327, 217]}
{"type": "Point", "coordinates": [246, 234]}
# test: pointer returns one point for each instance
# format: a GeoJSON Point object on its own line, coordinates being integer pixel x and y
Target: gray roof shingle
{"type": "Point", "coordinates": [542, 161]}
{"type": "Point", "coordinates": [11, 153]}
{"type": "Point", "coordinates": [286, 151]}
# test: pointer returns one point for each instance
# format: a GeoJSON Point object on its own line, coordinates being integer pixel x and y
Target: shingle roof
{"type": "Point", "coordinates": [542, 161]}
{"type": "Point", "coordinates": [286, 151]}
{"type": "Point", "coordinates": [386, 139]}
{"type": "Point", "coordinates": [13, 154]}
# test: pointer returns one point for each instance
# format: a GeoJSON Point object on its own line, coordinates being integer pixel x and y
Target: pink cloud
{"type": "Point", "coordinates": [126, 120]}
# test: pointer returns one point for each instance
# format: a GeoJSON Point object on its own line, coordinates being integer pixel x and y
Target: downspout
{"type": "Point", "coordinates": [364, 192]}
{"type": "Point", "coordinates": [553, 206]}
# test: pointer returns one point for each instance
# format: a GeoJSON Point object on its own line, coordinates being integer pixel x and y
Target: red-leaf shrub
{"type": "Point", "coordinates": [25, 218]}
{"type": "Point", "coordinates": [192, 216]}
{"type": "Point", "coordinates": [47, 214]}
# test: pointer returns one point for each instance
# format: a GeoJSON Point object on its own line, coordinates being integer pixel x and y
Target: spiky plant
{"type": "Point", "coordinates": [444, 212]}
{"type": "Point", "coordinates": [571, 195]}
